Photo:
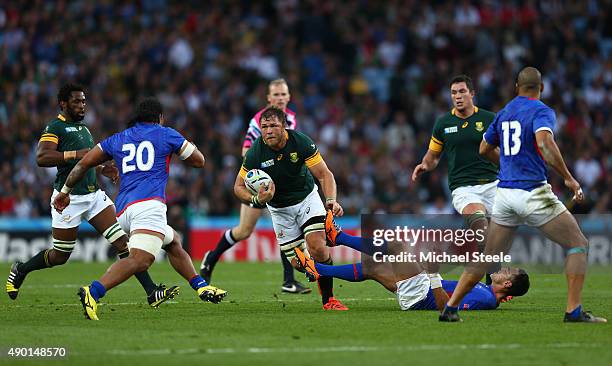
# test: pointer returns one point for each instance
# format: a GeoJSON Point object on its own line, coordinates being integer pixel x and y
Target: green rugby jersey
{"type": "Point", "coordinates": [288, 167]}
{"type": "Point", "coordinates": [70, 136]}
{"type": "Point", "coordinates": [460, 139]}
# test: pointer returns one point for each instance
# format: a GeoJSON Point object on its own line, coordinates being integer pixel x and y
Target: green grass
{"type": "Point", "coordinates": [259, 325]}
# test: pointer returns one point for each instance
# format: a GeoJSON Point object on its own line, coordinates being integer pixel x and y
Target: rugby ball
{"type": "Point", "coordinates": [255, 178]}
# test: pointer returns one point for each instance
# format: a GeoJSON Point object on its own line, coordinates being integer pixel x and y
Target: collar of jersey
{"type": "Point", "coordinates": [63, 119]}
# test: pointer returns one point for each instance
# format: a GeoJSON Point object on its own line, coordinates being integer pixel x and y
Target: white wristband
{"type": "Point", "coordinates": [66, 189]}
{"type": "Point", "coordinates": [187, 149]}
{"type": "Point", "coordinates": [435, 280]}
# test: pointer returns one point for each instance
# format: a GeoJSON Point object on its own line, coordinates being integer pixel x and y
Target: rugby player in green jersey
{"type": "Point", "coordinates": [298, 214]}
{"type": "Point", "coordinates": [472, 178]}
{"type": "Point", "coordinates": [64, 141]}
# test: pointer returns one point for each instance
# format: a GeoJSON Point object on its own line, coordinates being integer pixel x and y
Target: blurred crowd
{"type": "Point", "coordinates": [367, 80]}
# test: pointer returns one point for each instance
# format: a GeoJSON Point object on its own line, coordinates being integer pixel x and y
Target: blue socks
{"type": "Point", "coordinates": [360, 244]}
{"type": "Point", "coordinates": [347, 272]}
{"type": "Point", "coordinates": [97, 290]}
{"type": "Point", "coordinates": [576, 312]}
{"type": "Point", "coordinates": [197, 282]}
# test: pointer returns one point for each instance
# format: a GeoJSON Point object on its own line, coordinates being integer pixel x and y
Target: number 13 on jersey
{"type": "Point", "coordinates": [511, 131]}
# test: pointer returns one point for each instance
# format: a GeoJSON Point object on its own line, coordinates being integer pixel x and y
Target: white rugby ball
{"type": "Point", "coordinates": [255, 178]}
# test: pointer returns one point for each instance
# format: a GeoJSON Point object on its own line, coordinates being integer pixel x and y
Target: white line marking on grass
{"type": "Point", "coordinates": [340, 349]}
{"type": "Point", "coordinates": [279, 300]}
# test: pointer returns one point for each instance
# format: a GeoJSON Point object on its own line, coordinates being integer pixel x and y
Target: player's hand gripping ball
{"type": "Point", "coordinates": [255, 178]}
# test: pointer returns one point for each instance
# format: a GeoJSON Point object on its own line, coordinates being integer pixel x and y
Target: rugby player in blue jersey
{"type": "Point", "coordinates": [415, 289]}
{"type": "Point", "coordinates": [523, 130]}
{"type": "Point", "coordinates": [142, 153]}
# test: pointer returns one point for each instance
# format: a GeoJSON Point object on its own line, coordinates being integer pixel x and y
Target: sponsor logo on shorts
{"type": "Point", "coordinates": [66, 218]}
{"type": "Point", "coordinates": [280, 234]}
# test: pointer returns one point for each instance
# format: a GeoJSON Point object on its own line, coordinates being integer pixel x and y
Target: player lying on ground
{"type": "Point", "coordinates": [523, 131]}
{"type": "Point", "coordinates": [414, 291]}
{"type": "Point", "coordinates": [143, 151]}
{"type": "Point", "coordinates": [418, 292]}
{"type": "Point", "coordinates": [64, 141]}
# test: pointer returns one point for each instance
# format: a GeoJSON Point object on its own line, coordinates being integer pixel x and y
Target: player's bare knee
{"type": "Point", "coordinates": [315, 241]}
{"type": "Point", "coordinates": [319, 252]}
{"type": "Point", "coordinates": [141, 260]}
{"type": "Point", "coordinates": [242, 232]}
{"type": "Point", "coordinates": [295, 264]}
{"type": "Point", "coordinates": [57, 258]}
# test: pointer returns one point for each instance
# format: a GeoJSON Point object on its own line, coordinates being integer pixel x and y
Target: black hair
{"type": "Point", "coordinates": [147, 110]}
{"type": "Point", "coordinates": [520, 284]}
{"type": "Point", "coordinates": [273, 111]}
{"type": "Point", "coordinates": [63, 95]}
{"type": "Point", "coordinates": [463, 79]}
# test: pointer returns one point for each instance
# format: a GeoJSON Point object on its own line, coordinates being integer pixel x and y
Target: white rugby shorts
{"type": "Point", "coordinates": [81, 207]}
{"type": "Point", "coordinates": [514, 207]}
{"type": "Point", "coordinates": [482, 193]}
{"type": "Point", "coordinates": [147, 215]}
{"type": "Point", "coordinates": [288, 221]}
{"type": "Point", "coordinates": [412, 290]}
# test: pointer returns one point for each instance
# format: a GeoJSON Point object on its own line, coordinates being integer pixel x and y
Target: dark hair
{"type": "Point", "coordinates": [463, 79]}
{"type": "Point", "coordinates": [147, 110]}
{"type": "Point", "coordinates": [520, 284]}
{"type": "Point", "coordinates": [66, 90]}
{"type": "Point", "coordinates": [271, 112]}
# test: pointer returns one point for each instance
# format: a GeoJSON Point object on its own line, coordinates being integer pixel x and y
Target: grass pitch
{"type": "Point", "coordinates": [257, 324]}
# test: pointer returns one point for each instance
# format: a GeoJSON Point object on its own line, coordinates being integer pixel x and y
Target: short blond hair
{"type": "Point", "coordinates": [278, 81]}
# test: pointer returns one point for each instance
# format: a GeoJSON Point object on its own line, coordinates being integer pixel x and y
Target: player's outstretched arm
{"type": "Point", "coordinates": [47, 154]}
{"type": "Point", "coordinates": [328, 185]}
{"type": "Point", "coordinates": [551, 154]}
{"type": "Point", "coordinates": [430, 162]}
{"type": "Point", "coordinates": [190, 154]}
{"type": "Point", "coordinates": [490, 152]}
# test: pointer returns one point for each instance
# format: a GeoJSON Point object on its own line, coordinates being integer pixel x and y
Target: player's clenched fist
{"type": "Point", "coordinates": [61, 201]}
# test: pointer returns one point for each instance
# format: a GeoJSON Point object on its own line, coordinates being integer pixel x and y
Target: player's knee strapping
{"type": "Point", "coordinates": [314, 224]}
{"type": "Point", "coordinates": [477, 221]}
{"type": "Point", "coordinates": [578, 250]}
{"type": "Point", "coordinates": [477, 218]}
{"type": "Point", "coordinates": [289, 248]}
{"type": "Point", "coordinates": [147, 242]}
{"type": "Point", "coordinates": [66, 246]}
{"type": "Point", "coordinates": [113, 233]}
{"type": "Point", "coordinates": [169, 237]}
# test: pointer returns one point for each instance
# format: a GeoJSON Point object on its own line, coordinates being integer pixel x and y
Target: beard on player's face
{"type": "Point", "coordinates": [76, 115]}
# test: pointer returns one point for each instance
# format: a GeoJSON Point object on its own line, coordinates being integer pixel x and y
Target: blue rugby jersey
{"type": "Point", "coordinates": [481, 297]}
{"type": "Point", "coordinates": [142, 153]}
{"type": "Point", "coordinates": [521, 164]}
